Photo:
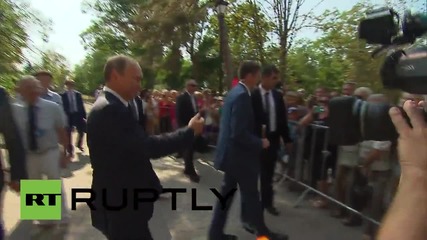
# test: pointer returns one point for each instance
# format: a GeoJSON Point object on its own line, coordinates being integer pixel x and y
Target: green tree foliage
{"type": "Point", "coordinates": [338, 55]}
{"type": "Point", "coordinates": [176, 40]}
{"type": "Point", "coordinates": [53, 62]}
{"type": "Point", "coordinates": [15, 20]}
{"type": "Point", "coordinates": [89, 75]}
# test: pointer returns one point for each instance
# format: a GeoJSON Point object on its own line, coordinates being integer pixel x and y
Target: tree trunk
{"type": "Point", "coordinates": [284, 58]}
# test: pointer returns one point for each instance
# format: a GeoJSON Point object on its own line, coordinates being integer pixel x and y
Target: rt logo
{"type": "Point", "coordinates": [41, 199]}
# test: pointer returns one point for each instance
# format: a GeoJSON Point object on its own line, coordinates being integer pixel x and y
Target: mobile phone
{"type": "Point", "coordinates": [318, 109]}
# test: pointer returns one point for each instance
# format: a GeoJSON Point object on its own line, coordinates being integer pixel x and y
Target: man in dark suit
{"type": "Point", "coordinates": [75, 110]}
{"type": "Point", "coordinates": [121, 151]}
{"type": "Point", "coordinates": [138, 110]}
{"type": "Point", "coordinates": [270, 111]}
{"type": "Point", "coordinates": [15, 149]}
{"type": "Point", "coordinates": [237, 155]}
{"type": "Point", "coordinates": [186, 108]}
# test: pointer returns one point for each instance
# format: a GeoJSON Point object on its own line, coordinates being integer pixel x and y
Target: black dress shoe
{"type": "Point", "coordinates": [275, 236]}
{"type": "Point", "coordinates": [273, 211]}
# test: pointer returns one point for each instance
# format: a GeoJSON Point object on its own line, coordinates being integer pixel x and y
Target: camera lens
{"type": "Point", "coordinates": [352, 120]}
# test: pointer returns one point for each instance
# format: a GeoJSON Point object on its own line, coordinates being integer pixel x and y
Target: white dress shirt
{"type": "Point", "coordinates": [247, 89]}
{"type": "Point", "coordinates": [107, 89]}
{"type": "Point", "coordinates": [272, 111]}
{"type": "Point", "coordinates": [72, 100]}
{"type": "Point", "coordinates": [136, 109]}
{"type": "Point", "coordinates": [193, 101]}
{"type": "Point", "coordinates": [49, 117]}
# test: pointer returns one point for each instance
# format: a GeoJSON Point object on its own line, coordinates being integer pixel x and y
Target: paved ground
{"type": "Point", "coordinates": [304, 223]}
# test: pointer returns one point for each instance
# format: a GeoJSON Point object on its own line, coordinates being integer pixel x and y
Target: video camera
{"type": "Point", "coordinates": [352, 120]}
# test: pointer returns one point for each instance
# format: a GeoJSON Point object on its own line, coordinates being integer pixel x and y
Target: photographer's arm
{"type": "Point", "coordinates": [307, 119]}
{"type": "Point", "coordinates": [406, 218]}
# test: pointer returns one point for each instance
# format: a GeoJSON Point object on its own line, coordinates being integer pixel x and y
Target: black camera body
{"type": "Point", "coordinates": [352, 120]}
{"type": "Point", "coordinates": [406, 70]}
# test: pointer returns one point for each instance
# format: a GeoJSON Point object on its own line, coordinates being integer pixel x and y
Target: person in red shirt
{"type": "Point", "coordinates": [164, 113]}
{"type": "Point", "coordinates": [172, 109]}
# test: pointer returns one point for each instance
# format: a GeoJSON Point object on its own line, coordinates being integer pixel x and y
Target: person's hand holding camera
{"type": "Point", "coordinates": [412, 141]}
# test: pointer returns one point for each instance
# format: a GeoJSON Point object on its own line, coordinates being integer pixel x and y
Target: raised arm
{"type": "Point", "coordinates": [130, 136]}
{"type": "Point", "coordinates": [406, 218]}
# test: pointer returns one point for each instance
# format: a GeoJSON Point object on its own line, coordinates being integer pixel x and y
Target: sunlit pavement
{"type": "Point", "coordinates": [300, 223]}
{"type": "Point", "coordinates": [304, 223]}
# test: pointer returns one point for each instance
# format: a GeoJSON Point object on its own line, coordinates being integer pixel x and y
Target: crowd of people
{"type": "Point", "coordinates": [373, 161]}
{"type": "Point", "coordinates": [256, 125]}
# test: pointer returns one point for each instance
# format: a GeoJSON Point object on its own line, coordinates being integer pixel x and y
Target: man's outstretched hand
{"type": "Point", "coordinates": [412, 144]}
{"type": "Point", "coordinates": [197, 123]}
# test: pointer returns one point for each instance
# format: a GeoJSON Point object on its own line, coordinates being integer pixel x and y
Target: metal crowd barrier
{"type": "Point", "coordinates": [301, 164]}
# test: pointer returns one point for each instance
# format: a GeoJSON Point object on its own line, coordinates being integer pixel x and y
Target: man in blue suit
{"type": "Point", "coordinates": [238, 152]}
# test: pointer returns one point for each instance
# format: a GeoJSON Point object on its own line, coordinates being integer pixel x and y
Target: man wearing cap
{"type": "Point", "coordinates": [76, 114]}
{"type": "Point", "coordinates": [45, 79]}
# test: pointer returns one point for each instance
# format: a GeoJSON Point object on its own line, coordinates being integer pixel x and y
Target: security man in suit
{"type": "Point", "coordinates": [270, 111]}
{"type": "Point", "coordinates": [76, 113]}
{"type": "Point", "coordinates": [120, 154]}
{"type": "Point", "coordinates": [237, 155]}
{"type": "Point", "coordinates": [15, 149]}
{"type": "Point", "coordinates": [186, 107]}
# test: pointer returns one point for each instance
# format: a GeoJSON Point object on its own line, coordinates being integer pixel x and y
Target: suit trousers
{"type": "Point", "coordinates": [251, 206]}
{"type": "Point", "coordinates": [268, 164]}
{"type": "Point", "coordinates": [47, 163]}
{"type": "Point", "coordinates": [188, 156]}
{"type": "Point", "coordinates": [74, 120]}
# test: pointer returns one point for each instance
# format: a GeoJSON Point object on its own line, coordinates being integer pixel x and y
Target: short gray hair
{"type": "Point", "coordinates": [26, 80]}
{"type": "Point", "coordinates": [363, 91]}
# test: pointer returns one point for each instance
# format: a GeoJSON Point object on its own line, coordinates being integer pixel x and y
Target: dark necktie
{"type": "Point", "coordinates": [267, 109]}
{"type": "Point", "coordinates": [32, 128]}
{"type": "Point", "coordinates": [133, 110]}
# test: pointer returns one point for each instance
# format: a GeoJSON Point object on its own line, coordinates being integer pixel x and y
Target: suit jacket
{"type": "Point", "coordinates": [142, 117]}
{"type": "Point", "coordinates": [282, 129]}
{"type": "Point", "coordinates": [120, 156]}
{"type": "Point", "coordinates": [79, 101]}
{"type": "Point", "coordinates": [238, 146]}
{"type": "Point", "coordinates": [13, 141]}
{"type": "Point", "coordinates": [184, 109]}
